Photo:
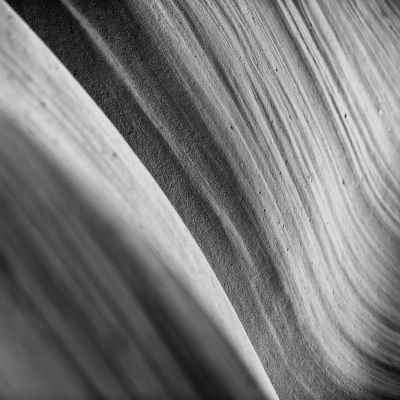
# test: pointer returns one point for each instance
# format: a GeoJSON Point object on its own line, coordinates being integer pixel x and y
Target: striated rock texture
{"type": "Point", "coordinates": [87, 311]}
{"type": "Point", "coordinates": [273, 129]}
{"type": "Point", "coordinates": [40, 99]}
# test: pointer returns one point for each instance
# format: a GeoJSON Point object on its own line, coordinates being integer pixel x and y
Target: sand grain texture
{"type": "Point", "coordinates": [62, 120]}
{"type": "Point", "coordinates": [273, 129]}
{"type": "Point", "coordinates": [87, 310]}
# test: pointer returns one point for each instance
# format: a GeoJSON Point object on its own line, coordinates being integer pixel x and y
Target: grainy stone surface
{"type": "Point", "coordinates": [273, 129]}
{"type": "Point", "coordinates": [87, 311]}
{"type": "Point", "coordinates": [41, 97]}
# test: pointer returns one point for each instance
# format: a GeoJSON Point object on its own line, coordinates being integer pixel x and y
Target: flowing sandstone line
{"type": "Point", "coordinates": [64, 121]}
{"type": "Point", "coordinates": [87, 310]}
{"type": "Point", "coordinates": [273, 128]}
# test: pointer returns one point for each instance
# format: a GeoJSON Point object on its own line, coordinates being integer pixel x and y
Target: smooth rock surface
{"type": "Point", "coordinates": [63, 121]}
{"type": "Point", "coordinates": [273, 129]}
{"type": "Point", "coordinates": [87, 310]}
